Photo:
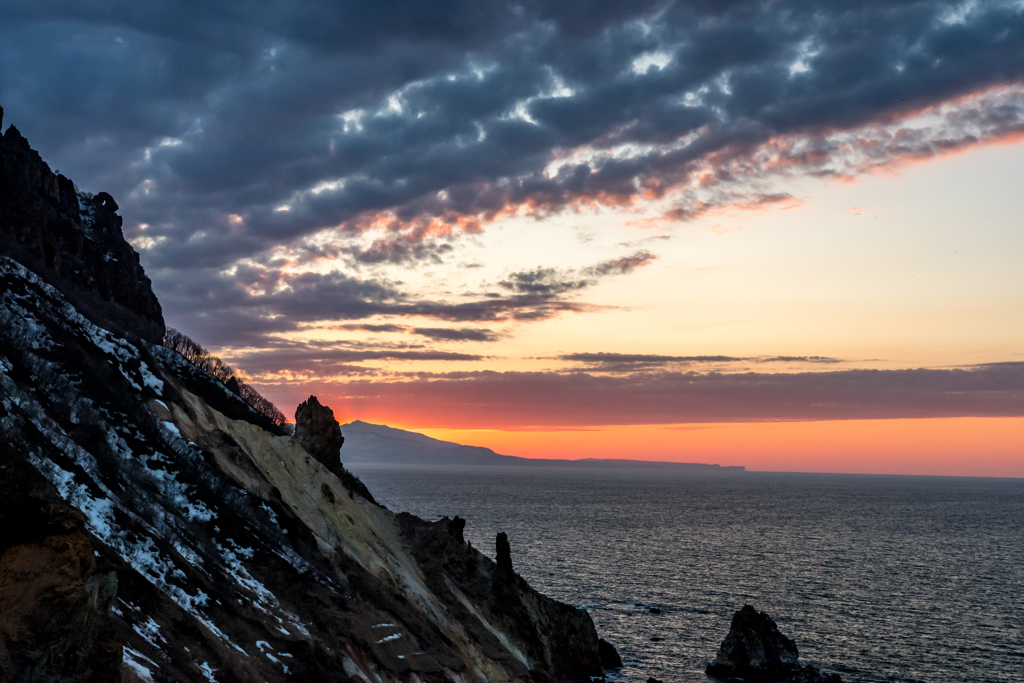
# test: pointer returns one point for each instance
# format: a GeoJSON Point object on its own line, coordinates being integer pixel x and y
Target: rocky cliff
{"type": "Point", "coordinates": [155, 529]}
{"type": "Point", "coordinates": [73, 241]}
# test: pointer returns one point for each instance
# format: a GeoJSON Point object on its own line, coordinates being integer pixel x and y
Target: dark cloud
{"type": "Point", "coordinates": [799, 359]}
{"type": "Point", "coordinates": [401, 248]}
{"type": "Point", "coordinates": [631, 362]}
{"type": "Point", "coordinates": [552, 282]}
{"type": "Point", "coordinates": [244, 306]}
{"type": "Point", "coordinates": [366, 327]}
{"type": "Point", "coordinates": [517, 399]}
{"type": "Point", "coordinates": [621, 266]}
{"type": "Point", "coordinates": [326, 359]}
{"type": "Point", "coordinates": [409, 115]}
{"type": "Point", "coordinates": [602, 358]}
{"type": "Point", "coordinates": [463, 334]}
{"type": "Point", "coordinates": [436, 333]}
{"type": "Point", "coordinates": [233, 129]}
{"type": "Point", "coordinates": [543, 282]}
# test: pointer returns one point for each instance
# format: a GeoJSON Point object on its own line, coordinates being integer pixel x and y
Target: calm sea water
{"type": "Point", "coordinates": [877, 578]}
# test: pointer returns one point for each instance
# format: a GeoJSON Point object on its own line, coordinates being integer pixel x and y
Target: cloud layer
{"type": "Point", "coordinates": [282, 164]}
{"type": "Point", "coordinates": [519, 399]}
{"type": "Point", "coordinates": [232, 127]}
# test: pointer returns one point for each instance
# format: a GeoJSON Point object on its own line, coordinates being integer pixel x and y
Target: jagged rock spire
{"type": "Point", "coordinates": [73, 241]}
{"type": "Point", "coordinates": [319, 433]}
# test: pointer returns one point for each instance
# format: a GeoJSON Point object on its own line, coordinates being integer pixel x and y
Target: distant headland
{"type": "Point", "coordinates": [367, 443]}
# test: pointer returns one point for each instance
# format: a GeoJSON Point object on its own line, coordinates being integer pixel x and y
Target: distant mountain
{"type": "Point", "coordinates": [383, 445]}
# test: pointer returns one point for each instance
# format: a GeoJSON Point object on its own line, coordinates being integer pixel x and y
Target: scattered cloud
{"type": "Point", "coordinates": [247, 304]}
{"type": "Point", "coordinates": [632, 362]}
{"type": "Point", "coordinates": [240, 126]}
{"type": "Point", "coordinates": [436, 333]}
{"type": "Point", "coordinates": [463, 334]}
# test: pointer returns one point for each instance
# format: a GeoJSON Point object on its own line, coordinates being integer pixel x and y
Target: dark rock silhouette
{"type": "Point", "coordinates": [233, 386]}
{"type": "Point", "coordinates": [755, 650]}
{"type": "Point", "coordinates": [455, 528]}
{"type": "Point", "coordinates": [610, 658]}
{"type": "Point", "coordinates": [503, 553]}
{"type": "Point", "coordinates": [73, 241]}
{"type": "Point", "coordinates": [318, 432]}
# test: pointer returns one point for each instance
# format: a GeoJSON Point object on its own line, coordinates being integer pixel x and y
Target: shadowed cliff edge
{"type": "Point", "coordinates": [156, 527]}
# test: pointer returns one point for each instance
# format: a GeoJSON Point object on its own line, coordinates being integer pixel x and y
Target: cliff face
{"type": "Point", "coordinates": [163, 534]}
{"type": "Point", "coordinates": [73, 241]}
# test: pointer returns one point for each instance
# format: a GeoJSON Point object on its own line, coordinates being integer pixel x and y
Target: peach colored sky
{"type": "Point", "coordinates": [976, 447]}
{"type": "Point", "coordinates": [917, 268]}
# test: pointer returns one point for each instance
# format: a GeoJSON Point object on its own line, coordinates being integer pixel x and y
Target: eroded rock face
{"type": "Point", "coordinates": [755, 650]}
{"type": "Point", "coordinates": [73, 241]}
{"type": "Point", "coordinates": [319, 433]}
{"type": "Point", "coordinates": [555, 640]}
{"type": "Point", "coordinates": [55, 594]}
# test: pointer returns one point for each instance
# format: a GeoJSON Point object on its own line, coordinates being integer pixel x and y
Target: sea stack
{"type": "Point", "coordinates": [755, 650]}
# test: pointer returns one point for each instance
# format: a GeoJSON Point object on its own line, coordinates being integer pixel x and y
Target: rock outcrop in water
{"type": "Point", "coordinates": [755, 650]}
{"type": "Point", "coordinates": [155, 527]}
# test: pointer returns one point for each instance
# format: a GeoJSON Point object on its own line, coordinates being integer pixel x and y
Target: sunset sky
{"type": "Point", "coordinates": [785, 235]}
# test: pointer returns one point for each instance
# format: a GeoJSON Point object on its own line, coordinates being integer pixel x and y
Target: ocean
{"type": "Point", "coordinates": [876, 578]}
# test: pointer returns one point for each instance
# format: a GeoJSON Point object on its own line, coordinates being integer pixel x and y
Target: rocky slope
{"type": "Point", "coordinates": [156, 528]}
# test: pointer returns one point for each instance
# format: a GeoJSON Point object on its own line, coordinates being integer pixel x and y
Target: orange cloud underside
{"type": "Point", "coordinates": [992, 447]}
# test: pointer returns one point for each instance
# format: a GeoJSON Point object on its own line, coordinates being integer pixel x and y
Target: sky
{"type": "Point", "coordinates": [785, 235]}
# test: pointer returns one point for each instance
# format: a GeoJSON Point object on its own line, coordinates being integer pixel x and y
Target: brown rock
{"type": "Point", "coordinates": [55, 594]}
{"type": "Point", "coordinates": [319, 433]}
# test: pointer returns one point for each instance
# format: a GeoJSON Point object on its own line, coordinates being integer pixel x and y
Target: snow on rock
{"type": "Point", "coordinates": [136, 661]}
{"type": "Point", "coordinates": [208, 671]}
{"type": "Point", "coordinates": [149, 631]}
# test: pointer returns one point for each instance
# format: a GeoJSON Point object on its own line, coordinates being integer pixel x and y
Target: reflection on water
{"type": "Point", "coordinates": [877, 578]}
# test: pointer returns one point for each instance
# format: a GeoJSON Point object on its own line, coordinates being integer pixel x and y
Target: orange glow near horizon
{"type": "Point", "coordinates": [967, 446]}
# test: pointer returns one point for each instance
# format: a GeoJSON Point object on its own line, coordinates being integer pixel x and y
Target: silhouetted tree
{"type": "Point", "coordinates": [207, 362]}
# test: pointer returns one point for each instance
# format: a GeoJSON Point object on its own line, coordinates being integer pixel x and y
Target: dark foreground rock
{"type": "Point", "coordinates": [610, 658]}
{"type": "Point", "coordinates": [755, 650]}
